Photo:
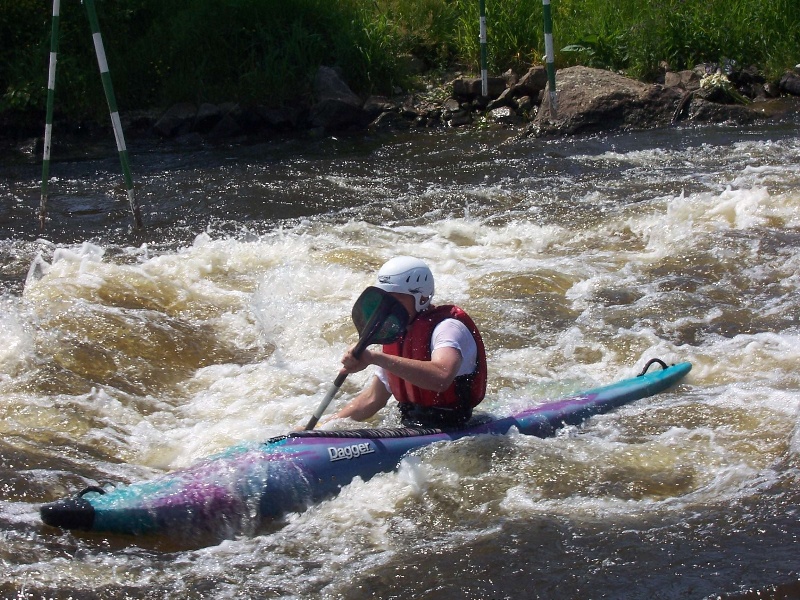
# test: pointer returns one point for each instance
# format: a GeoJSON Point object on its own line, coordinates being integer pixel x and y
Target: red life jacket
{"type": "Point", "coordinates": [466, 391]}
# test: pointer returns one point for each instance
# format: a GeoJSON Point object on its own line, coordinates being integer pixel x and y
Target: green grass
{"type": "Point", "coordinates": [635, 36]}
{"type": "Point", "coordinates": [267, 51]}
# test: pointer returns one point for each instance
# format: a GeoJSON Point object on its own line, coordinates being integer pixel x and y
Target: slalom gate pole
{"type": "Point", "coordinates": [549, 55]}
{"type": "Point", "coordinates": [105, 76]}
{"type": "Point", "coordinates": [484, 70]}
{"type": "Point", "coordinates": [48, 124]}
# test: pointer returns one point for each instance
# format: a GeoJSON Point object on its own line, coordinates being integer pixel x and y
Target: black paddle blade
{"type": "Point", "coordinates": [374, 306]}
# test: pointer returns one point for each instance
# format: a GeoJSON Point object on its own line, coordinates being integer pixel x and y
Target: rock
{"type": "Point", "coordinates": [337, 107]}
{"type": "Point", "coordinates": [525, 104]}
{"type": "Point", "coordinates": [592, 100]}
{"type": "Point", "coordinates": [376, 105]}
{"type": "Point", "coordinates": [685, 80]}
{"type": "Point", "coordinates": [790, 83]}
{"type": "Point", "coordinates": [328, 85]}
{"type": "Point", "coordinates": [251, 119]}
{"type": "Point", "coordinates": [532, 83]}
{"type": "Point", "coordinates": [747, 77]}
{"type": "Point", "coordinates": [227, 127]}
{"type": "Point", "coordinates": [511, 78]}
{"type": "Point", "coordinates": [772, 89]}
{"type": "Point", "coordinates": [138, 122]}
{"type": "Point", "coordinates": [176, 121]}
{"type": "Point", "coordinates": [459, 118]}
{"type": "Point", "coordinates": [504, 115]}
{"type": "Point", "coordinates": [208, 115]}
{"type": "Point", "coordinates": [388, 120]}
{"type": "Point", "coordinates": [701, 110]}
{"type": "Point", "coordinates": [281, 119]}
{"type": "Point", "coordinates": [456, 114]}
{"type": "Point", "coordinates": [336, 115]}
{"type": "Point", "coordinates": [472, 87]}
{"type": "Point", "coordinates": [504, 99]}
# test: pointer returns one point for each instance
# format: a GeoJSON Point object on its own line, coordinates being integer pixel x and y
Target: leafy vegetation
{"type": "Point", "coordinates": [267, 51]}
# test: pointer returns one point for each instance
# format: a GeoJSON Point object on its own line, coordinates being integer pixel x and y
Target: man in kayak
{"type": "Point", "coordinates": [436, 370]}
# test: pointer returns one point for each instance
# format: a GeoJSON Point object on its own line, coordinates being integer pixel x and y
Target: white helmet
{"type": "Point", "coordinates": [408, 275]}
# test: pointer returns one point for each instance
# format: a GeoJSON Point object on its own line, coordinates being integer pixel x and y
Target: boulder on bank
{"type": "Point", "coordinates": [337, 107]}
{"type": "Point", "coordinates": [790, 83]}
{"type": "Point", "coordinates": [531, 84]}
{"type": "Point", "coordinates": [688, 80]}
{"type": "Point", "coordinates": [177, 120]}
{"type": "Point", "coordinates": [701, 110]}
{"type": "Point", "coordinates": [208, 115]}
{"type": "Point", "coordinates": [592, 100]}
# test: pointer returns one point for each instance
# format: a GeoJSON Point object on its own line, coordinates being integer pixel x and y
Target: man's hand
{"type": "Point", "coordinates": [352, 364]}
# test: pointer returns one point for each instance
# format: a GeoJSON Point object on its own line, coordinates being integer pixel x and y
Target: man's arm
{"type": "Point", "coordinates": [436, 374]}
{"type": "Point", "coordinates": [371, 399]}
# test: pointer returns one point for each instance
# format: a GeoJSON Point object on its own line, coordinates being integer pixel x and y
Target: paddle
{"type": "Point", "coordinates": [379, 319]}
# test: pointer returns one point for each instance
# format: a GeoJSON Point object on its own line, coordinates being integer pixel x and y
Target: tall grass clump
{"type": "Point", "coordinates": [24, 54]}
{"type": "Point", "coordinates": [514, 30]}
{"type": "Point", "coordinates": [636, 36]}
{"type": "Point", "coordinates": [22, 33]}
{"type": "Point", "coordinates": [265, 50]}
{"type": "Point", "coordinates": [597, 34]}
{"type": "Point", "coordinates": [426, 29]}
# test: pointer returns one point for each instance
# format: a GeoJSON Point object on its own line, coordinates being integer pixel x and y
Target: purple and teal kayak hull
{"type": "Point", "coordinates": [235, 491]}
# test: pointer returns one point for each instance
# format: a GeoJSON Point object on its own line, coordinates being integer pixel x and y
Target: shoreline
{"type": "Point", "coordinates": [517, 104]}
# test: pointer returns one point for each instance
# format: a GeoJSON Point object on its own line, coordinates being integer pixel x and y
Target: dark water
{"type": "Point", "coordinates": [129, 354]}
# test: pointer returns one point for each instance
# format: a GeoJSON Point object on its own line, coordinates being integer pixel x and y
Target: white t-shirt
{"type": "Point", "coordinates": [450, 333]}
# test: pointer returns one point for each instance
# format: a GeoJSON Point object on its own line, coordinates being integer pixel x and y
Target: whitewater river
{"type": "Point", "coordinates": [124, 356]}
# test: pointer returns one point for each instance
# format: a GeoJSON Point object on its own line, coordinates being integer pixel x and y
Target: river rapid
{"type": "Point", "coordinates": [127, 355]}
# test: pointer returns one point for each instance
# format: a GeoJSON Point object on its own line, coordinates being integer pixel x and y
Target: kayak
{"type": "Point", "coordinates": [234, 491]}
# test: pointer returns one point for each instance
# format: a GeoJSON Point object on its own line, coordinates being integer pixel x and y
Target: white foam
{"type": "Point", "coordinates": [17, 349]}
{"type": "Point", "coordinates": [568, 303]}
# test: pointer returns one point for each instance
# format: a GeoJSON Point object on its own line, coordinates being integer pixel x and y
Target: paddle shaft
{"type": "Point", "coordinates": [312, 422]}
{"type": "Point", "coordinates": [373, 326]}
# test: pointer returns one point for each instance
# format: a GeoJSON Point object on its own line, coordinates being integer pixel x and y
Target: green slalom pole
{"type": "Point", "coordinates": [484, 70]}
{"type": "Point", "coordinates": [48, 123]}
{"type": "Point", "coordinates": [112, 107]}
{"type": "Point", "coordinates": [549, 55]}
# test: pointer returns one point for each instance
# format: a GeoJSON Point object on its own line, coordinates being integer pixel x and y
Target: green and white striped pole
{"type": "Point", "coordinates": [112, 107]}
{"type": "Point", "coordinates": [484, 70]}
{"type": "Point", "coordinates": [549, 55]}
{"type": "Point", "coordinates": [48, 124]}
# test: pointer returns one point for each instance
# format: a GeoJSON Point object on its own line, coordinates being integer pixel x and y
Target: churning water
{"type": "Point", "coordinates": [124, 356]}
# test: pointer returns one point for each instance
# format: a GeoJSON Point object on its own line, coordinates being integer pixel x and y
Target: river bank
{"type": "Point", "coordinates": [588, 101]}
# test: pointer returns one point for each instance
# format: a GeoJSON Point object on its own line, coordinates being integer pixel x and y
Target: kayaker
{"type": "Point", "coordinates": [436, 370]}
